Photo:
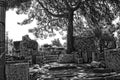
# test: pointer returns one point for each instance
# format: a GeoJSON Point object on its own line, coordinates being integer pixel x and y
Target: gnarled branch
{"type": "Point", "coordinates": [64, 15]}
{"type": "Point", "coordinates": [77, 6]}
{"type": "Point", "coordinates": [66, 3]}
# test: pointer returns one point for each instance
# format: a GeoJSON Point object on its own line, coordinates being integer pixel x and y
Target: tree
{"type": "Point", "coordinates": [99, 15]}
{"type": "Point", "coordinates": [50, 13]}
{"type": "Point", "coordinates": [56, 10]}
{"type": "Point", "coordinates": [56, 42]}
{"type": "Point", "coordinates": [11, 4]}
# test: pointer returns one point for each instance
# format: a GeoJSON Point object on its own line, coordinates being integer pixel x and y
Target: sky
{"type": "Point", "coordinates": [16, 31]}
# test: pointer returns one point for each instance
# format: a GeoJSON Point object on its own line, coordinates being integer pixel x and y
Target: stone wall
{"type": "Point", "coordinates": [17, 71]}
{"type": "Point", "coordinates": [70, 58]}
{"type": "Point", "coordinates": [112, 59]}
{"type": "Point", "coordinates": [46, 59]}
{"type": "Point", "coordinates": [86, 46]}
{"type": "Point", "coordinates": [39, 59]}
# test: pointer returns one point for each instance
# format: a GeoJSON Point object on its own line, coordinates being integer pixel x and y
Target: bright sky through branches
{"type": "Point", "coordinates": [16, 31]}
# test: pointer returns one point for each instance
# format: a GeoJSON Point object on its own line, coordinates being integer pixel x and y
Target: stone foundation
{"type": "Point", "coordinates": [112, 59]}
{"type": "Point", "coordinates": [66, 58]}
{"type": "Point", "coordinates": [17, 71]}
{"type": "Point", "coordinates": [39, 59]}
{"type": "Point", "coordinates": [70, 58]}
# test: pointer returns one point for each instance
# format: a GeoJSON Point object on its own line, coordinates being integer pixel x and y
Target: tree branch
{"type": "Point", "coordinates": [65, 15]}
{"type": "Point", "coordinates": [66, 3]}
{"type": "Point", "coordinates": [77, 6]}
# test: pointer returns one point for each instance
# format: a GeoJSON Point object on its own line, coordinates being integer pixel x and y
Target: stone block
{"type": "Point", "coordinates": [112, 59]}
{"type": "Point", "coordinates": [17, 71]}
{"type": "Point", "coordinates": [39, 60]}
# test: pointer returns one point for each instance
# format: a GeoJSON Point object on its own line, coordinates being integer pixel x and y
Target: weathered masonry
{"type": "Point", "coordinates": [2, 39]}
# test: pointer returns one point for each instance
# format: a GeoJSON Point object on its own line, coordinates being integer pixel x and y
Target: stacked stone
{"type": "Point", "coordinates": [86, 47]}
{"type": "Point", "coordinates": [112, 59]}
{"type": "Point", "coordinates": [50, 58]}
{"type": "Point", "coordinates": [39, 59]}
{"type": "Point", "coordinates": [17, 71]}
{"type": "Point", "coordinates": [28, 47]}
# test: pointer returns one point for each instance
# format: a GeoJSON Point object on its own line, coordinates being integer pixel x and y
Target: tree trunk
{"type": "Point", "coordinates": [70, 33]}
{"type": "Point", "coordinates": [2, 39]}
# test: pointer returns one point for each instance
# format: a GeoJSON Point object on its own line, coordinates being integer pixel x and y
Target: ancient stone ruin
{"type": "Point", "coordinates": [26, 48]}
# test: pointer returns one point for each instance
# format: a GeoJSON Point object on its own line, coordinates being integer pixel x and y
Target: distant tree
{"type": "Point", "coordinates": [56, 42]}
{"type": "Point", "coordinates": [46, 45]}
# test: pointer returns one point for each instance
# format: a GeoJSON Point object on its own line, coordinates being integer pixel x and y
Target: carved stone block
{"type": "Point", "coordinates": [17, 71]}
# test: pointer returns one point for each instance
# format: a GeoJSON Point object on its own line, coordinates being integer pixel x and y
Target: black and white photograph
{"type": "Point", "coordinates": [59, 39]}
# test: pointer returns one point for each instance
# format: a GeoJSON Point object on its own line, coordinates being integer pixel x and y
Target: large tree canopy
{"type": "Point", "coordinates": [53, 13]}
{"type": "Point", "coordinates": [11, 4]}
{"type": "Point", "coordinates": [57, 14]}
